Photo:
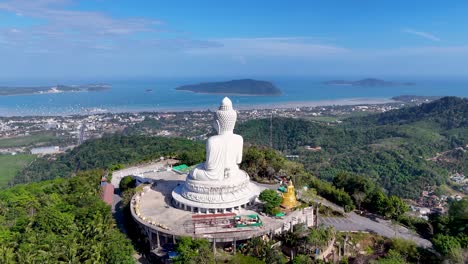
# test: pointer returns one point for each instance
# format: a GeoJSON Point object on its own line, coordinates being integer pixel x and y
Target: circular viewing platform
{"type": "Point", "coordinates": [160, 218]}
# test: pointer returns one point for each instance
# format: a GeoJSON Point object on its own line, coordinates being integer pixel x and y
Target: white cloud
{"type": "Point", "coordinates": [59, 24]}
{"type": "Point", "coordinates": [271, 47]}
{"type": "Point", "coordinates": [422, 34]}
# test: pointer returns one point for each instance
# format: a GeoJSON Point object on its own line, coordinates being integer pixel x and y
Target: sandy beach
{"type": "Point", "coordinates": [346, 101]}
{"type": "Point", "coordinates": [282, 105]}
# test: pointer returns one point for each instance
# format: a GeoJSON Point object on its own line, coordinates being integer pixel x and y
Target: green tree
{"type": "Point", "coordinates": [65, 221]}
{"type": "Point", "coordinates": [458, 216]}
{"type": "Point", "coordinates": [256, 247]}
{"type": "Point", "coordinates": [444, 244]}
{"type": "Point", "coordinates": [108, 152]}
{"type": "Point", "coordinates": [379, 202]}
{"type": "Point", "coordinates": [392, 257]}
{"type": "Point", "coordinates": [330, 192]}
{"type": "Point", "coordinates": [406, 248]}
{"type": "Point", "coordinates": [191, 157]}
{"type": "Point", "coordinates": [194, 251]}
{"type": "Point", "coordinates": [395, 207]}
{"type": "Point", "coordinates": [115, 167]}
{"type": "Point", "coordinates": [7, 254]}
{"type": "Point", "coordinates": [359, 197]}
{"type": "Point", "coordinates": [262, 163]}
{"type": "Point", "coordinates": [126, 183]}
{"type": "Point", "coordinates": [243, 259]}
{"type": "Point", "coordinates": [274, 256]}
{"type": "Point", "coordinates": [271, 199]}
{"type": "Point", "coordinates": [319, 237]}
{"type": "Point", "coordinates": [302, 259]}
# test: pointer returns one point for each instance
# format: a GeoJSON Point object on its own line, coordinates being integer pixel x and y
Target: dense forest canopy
{"type": "Point", "coordinates": [391, 148]}
{"type": "Point", "coordinates": [447, 112]}
{"type": "Point", "coordinates": [109, 151]}
{"type": "Point", "coordinates": [60, 221]}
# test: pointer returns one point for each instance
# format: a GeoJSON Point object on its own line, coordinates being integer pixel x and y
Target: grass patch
{"type": "Point", "coordinates": [326, 119]}
{"type": "Point", "coordinates": [421, 133]}
{"type": "Point", "coordinates": [337, 118]}
{"type": "Point", "coordinates": [11, 164]}
{"type": "Point", "coordinates": [26, 140]}
{"type": "Point", "coordinates": [389, 143]}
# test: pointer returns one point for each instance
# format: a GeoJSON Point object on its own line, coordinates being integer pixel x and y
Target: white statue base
{"type": "Point", "coordinates": [215, 196]}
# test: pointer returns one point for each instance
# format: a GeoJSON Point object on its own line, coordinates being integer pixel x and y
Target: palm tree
{"type": "Point", "coordinates": [359, 198]}
{"type": "Point", "coordinates": [257, 247]}
{"type": "Point", "coordinates": [7, 254]}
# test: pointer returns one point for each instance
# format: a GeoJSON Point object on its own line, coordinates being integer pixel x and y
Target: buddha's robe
{"type": "Point", "coordinates": [223, 154]}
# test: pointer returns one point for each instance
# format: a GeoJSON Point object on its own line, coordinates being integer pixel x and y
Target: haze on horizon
{"type": "Point", "coordinates": [47, 39]}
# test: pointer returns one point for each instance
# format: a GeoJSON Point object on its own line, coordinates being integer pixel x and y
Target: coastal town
{"type": "Point", "coordinates": [44, 135]}
{"type": "Point", "coordinates": [69, 131]}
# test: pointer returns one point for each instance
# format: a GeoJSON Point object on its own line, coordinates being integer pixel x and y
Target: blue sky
{"type": "Point", "coordinates": [104, 39]}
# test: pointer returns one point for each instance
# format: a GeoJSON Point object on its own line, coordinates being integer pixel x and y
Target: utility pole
{"type": "Point", "coordinates": [271, 129]}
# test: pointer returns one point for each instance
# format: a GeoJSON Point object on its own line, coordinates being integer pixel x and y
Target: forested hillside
{"type": "Point", "coordinates": [109, 151]}
{"type": "Point", "coordinates": [392, 148]}
{"type": "Point", "coordinates": [60, 221]}
{"type": "Point", "coordinates": [447, 112]}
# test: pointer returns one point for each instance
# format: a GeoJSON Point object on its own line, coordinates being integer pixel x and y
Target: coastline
{"type": "Point", "coordinates": [42, 93]}
{"type": "Point", "coordinates": [333, 102]}
{"type": "Point", "coordinates": [54, 90]}
{"type": "Point", "coordinates": [260, 106]}
{"type": "Point", "coordinates": [5, 112]}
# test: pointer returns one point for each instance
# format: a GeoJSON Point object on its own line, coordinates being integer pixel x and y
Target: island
{"type": "Point", "coordinates": [11, 90]}
{"type": "Point", "coordinates": [368, 82]}
{"type": "Point", "coordinates": [234, 87]}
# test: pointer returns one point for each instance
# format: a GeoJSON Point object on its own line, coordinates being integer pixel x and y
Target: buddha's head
{"type": "Point", "coordinates": [226, 117]}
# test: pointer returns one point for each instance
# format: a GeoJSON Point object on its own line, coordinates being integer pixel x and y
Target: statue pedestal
{"type": "Point", "coordinates": [215, 196]}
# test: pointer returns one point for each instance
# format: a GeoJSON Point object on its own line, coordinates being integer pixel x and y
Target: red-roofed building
{"type": "Point", "coordinates": [107, 193]}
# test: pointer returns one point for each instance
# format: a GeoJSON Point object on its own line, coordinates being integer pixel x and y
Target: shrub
{"type": "Point", "coordinates": [126, 183]}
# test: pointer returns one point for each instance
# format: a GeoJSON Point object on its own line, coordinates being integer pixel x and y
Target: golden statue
{"type": "Point", "coordinates": [289, 197]}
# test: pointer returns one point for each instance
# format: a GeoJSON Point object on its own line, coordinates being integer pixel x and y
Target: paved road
{"type": "Point", "coordinates": [355, 222]}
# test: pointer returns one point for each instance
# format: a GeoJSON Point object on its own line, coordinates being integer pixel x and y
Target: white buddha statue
{"type": "Point", "coordinates": [218, 184]}
{"type": "Point", "coordinates": [223, 151]}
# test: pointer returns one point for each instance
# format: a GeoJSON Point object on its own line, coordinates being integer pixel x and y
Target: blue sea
{"type": "Point", "coordinates": [132, 96]}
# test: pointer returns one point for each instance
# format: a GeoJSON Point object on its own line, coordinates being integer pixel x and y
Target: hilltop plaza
{"type": "Point", "coordinates": [215, 200]}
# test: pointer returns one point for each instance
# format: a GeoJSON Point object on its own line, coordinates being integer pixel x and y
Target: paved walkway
{"type": "Point", "coordinates": [149, 170]}
{"type": "Point", "coordinates": [155, 206]}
